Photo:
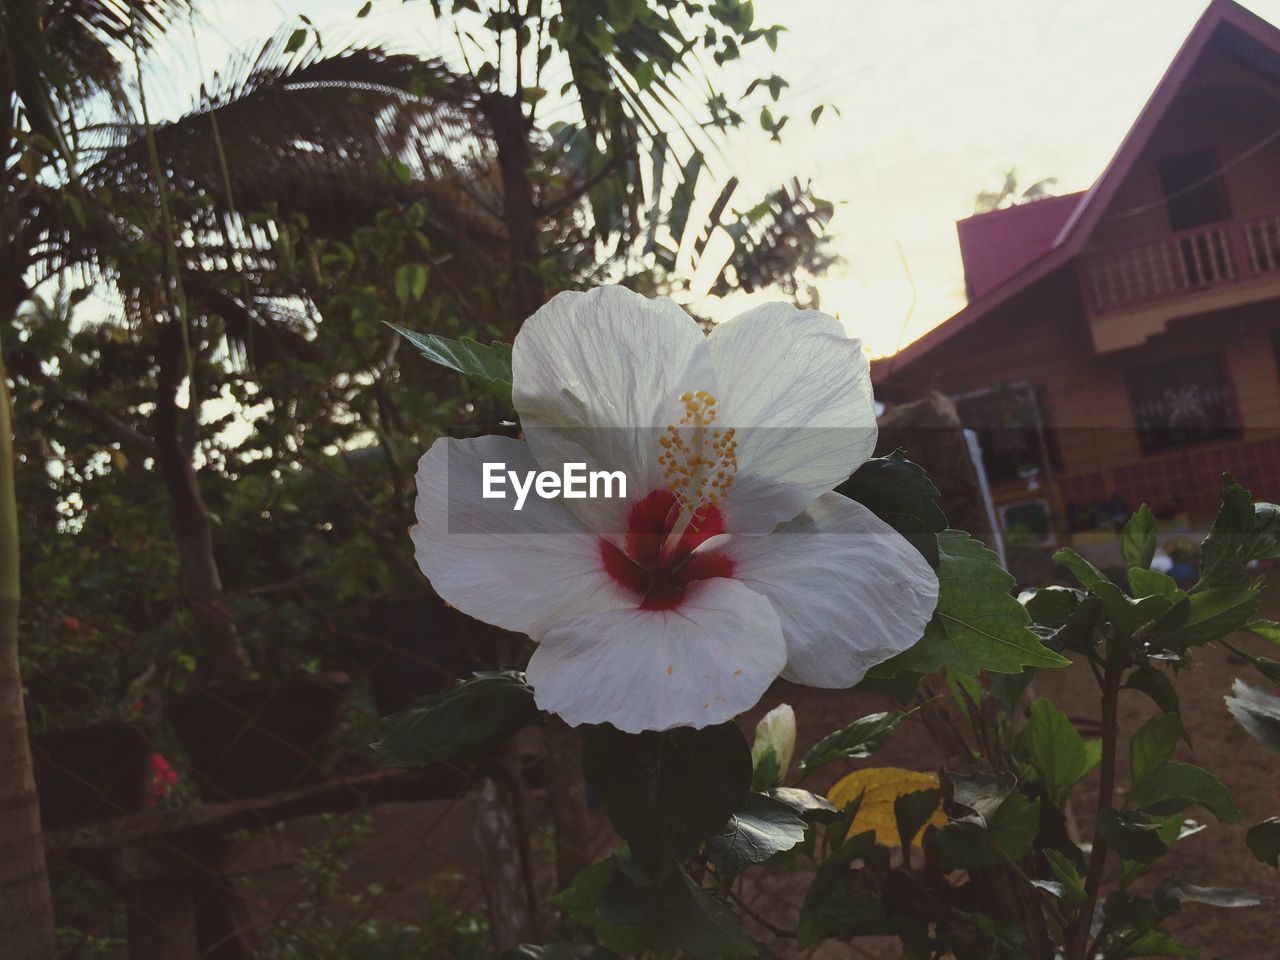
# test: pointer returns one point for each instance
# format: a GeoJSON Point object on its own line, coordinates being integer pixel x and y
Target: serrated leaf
{"type": "Point", "coordinates": [1175, 786]}
{"type": "Point", "coordinates": [487, 366]}
{"type": "Point", "coordinates": [1068, 876]}
{"type": "Point", "coordinates": [1263, 840]}
{"type": "Point", "coordinates": [1132, 836]}
{"type": "Point", "coordinates": [1085, 572]}
{"type": "Point", "coordinates": [857, 741]}
{"type": "Point", "coordinates": [1056, 749]}
{"type": "Point", "coordinates": [1152, 745]}
{"type": "Point", "coordinates": [469, 720]}
{"type": "Point", "coordinates": [1152, 583]}
{"type": "Point", "coordinates": [1257, 711]}
{"type": "Point", "coordinates": [911, 811]}
{"type": "Point", "coordinates": [1138, 539]}
{"type": "Point", "coordinates": [762, 828]}
{"type": "Point", "coordinates": [878, 788]}
{"type": "Point", "coordinates": [1156, 685]}
{"type": "Point", "coordinates": [809, 805]}
{"type": "Point", "coordinates": [667, 792]}
{"type": "Point", "coordinates": [977, 625]}
{"type": "Point", "coordinates": [900, 493]}
{"type": "Point", "coordinates": [1242, 531]}
{"type": "Point", "coordinates": [1208, 616]}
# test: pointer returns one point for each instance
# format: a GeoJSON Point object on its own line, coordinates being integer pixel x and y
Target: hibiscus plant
{"type": "Point", "coordinates": [758, 539]}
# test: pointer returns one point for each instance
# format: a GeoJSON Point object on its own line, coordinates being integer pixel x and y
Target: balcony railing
{"type": "Point", "coordinates": [1182, 263]}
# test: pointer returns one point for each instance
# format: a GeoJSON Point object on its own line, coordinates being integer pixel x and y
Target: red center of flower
{"type": "Point", "coordinates": [659, 572]}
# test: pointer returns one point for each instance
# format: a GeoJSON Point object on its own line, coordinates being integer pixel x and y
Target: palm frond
{"type": "Point", "coordinates": [320, 133]}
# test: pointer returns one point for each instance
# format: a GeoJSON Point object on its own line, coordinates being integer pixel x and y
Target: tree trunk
{"type": "Point", "coordinates": [26, 910]}
{"type": "Point", "coordinates": [515, 159]}
{"type": "Point", "coordinates": [224, 657]}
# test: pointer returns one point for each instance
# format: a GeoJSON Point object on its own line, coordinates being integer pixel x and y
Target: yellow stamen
{"type": "Point", "coordinates": [698, 461]}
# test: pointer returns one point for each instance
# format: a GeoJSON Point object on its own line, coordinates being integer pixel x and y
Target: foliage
{"type": "Point", "coordinates": [998, 875]}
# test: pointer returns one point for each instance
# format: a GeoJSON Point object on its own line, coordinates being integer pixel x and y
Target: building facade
{"type": "Point", "coordinates": [1122, 345]}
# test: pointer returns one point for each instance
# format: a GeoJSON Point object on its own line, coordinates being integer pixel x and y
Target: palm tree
{"type": "Point", "coordinates": [163, 212]}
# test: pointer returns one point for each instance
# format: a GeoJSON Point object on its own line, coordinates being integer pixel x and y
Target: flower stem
{"type": "Point", "coordinates": [1077, 946]}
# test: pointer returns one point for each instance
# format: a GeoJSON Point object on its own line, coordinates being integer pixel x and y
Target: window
{"type": "Point", "coordinates": [1182, 402]}
{"type": "Point", "coordinates": [1012, 425]}
{"type": "Point", "coordinates": [1194, 191]}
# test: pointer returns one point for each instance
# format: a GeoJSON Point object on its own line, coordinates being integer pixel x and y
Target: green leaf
{"type": "Point", "coordinates": [810, 806]}
{"type": "Point", "coordinates": [760, 829]}
{"type": "Point", "coordinates": [467, 721]}
{"type": "Point", "coordinates": [489, 367]}
{"type": "Point", "coordinates": [1175, 786]}
{"type": "Point", "coordinates": [1257, 711]}
{"type": "Point", "coordinates": [633, 916]}
{"type": "Point", "coordinates": [296, 40]}
{"type": "Point", "coordinates": [1152, 745]}
{"type": "Point", "coordinates": [667, 792]}
{"type": "Point", "coordinates": [1085, 572]}
{"type": "Point", "coordinates": [1015, 824]}
{"type": "Point", "coordinates": [364, 10]}
{"type": "Point", "coordinates": [1243, 531]}
{"type": "Point", "coordinates": [1208, 616]}
{"type": "Point", "coordinates": [411, 282]}
{"type": "Point", "coordinates": [836, 903]}
{"type": "Point", "coordinates": [1068, 876]}
{"type": "Point", "coordinates": [901, 494]}
{"type": "Point", "coordinates": [1263, 840]}
{"type": "Point", "coordinates": [1065, 617]}
{"type": "Point", "coordinates": [1008, 835]}
{"type": "Point", "coordinates": [1152, 583]}
{"type": "Point", "coordinates": [857, 741]}
{"type": "Point", "coordinates": [1156, 943]}
{"type": "Point", "coordinates": [1266, 629]}
{"type": "Point", "coordinates": [1132, 836]}
{"type": "Point", "coordinates": [912, 811]}
{"type": "Point", "coordinates": [1156, 685]}
{"type": "Point", "coordinates": [1056, 749]}
{"type": "Point", "coordinates": [1138, 539]}
{"type": "Point", "coordinates": [978, 624]}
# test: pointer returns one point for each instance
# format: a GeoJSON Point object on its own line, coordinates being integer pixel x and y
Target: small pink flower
{"type": "Point", "coordinates": [163, 779]}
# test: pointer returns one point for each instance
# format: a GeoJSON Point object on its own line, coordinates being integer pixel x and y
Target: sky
{"type": "Point", "coordinates": [936, 98]}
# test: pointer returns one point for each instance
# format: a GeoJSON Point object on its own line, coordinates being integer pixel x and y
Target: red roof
{"type": "Point", "coordinates": [1087, 210]}
{"type": "Point", "coordinates": [996, 245]}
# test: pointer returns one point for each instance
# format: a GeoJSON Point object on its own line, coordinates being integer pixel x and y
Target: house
{"type": "Point", "coordinates": [1122, 345]}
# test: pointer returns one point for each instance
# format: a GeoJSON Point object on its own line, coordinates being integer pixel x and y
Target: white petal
{"type": "Point", "coordinates": [700, 664]}
{"type": "Point", "coordinates": [850, 590]}
{"type": "Point", "coordinates": [517, 570]}
{"type": "Point", "coordinates": [798, 391]}
{"type": "Point", "coordinates": [599, 375]}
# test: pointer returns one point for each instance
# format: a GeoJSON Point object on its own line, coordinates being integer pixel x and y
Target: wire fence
{"type": "Point", "coordinates": [257, 821]}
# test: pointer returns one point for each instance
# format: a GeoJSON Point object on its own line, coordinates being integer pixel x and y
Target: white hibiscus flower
{"type": "Point", "coordinates": [730, 562]}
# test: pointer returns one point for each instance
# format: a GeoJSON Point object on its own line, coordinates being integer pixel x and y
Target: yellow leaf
{"type": "Point", "coordinates": [879, 787]}
{"type": "Point", "coordinates": [119, 459]}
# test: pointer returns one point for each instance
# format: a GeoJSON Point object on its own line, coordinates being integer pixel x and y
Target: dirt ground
{"type": "Point", "coordinates": [417, 851]}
